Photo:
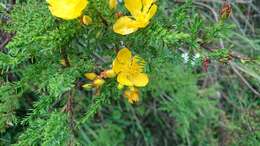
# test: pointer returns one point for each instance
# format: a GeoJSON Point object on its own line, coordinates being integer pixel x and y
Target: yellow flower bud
{"type": "Point", "coordinates": [62, 62]}
{"type": "Point", "coordinates": [112, 4]}
{"type": "Point", "coordinates": [110, 74]}
{"type": "Point", "coordinates": [120, 86]}
{"type": "Point", "coordinates": [98, 82]}
{"type": "Point", "coordinates": [90, 76]}
{"type": "Point", "coordinates": [132, 95]}
{"type": "Point", "coordinates": [86, 20]}
{"type": "Point", "coordinates": [87, 86]}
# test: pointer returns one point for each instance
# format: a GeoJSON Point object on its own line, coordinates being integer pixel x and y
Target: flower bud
{"type": "Point", "coordinates": [226, 11]}
{"type": "Point", "coordinates": [90, 76]}
{"type": "Point", "coordinates": [109, 74]}
{"type": "Point", "coordinates": [86, 20]}
{"type": "Point", "coordinates": [132, 95]}
{"type": "Point", "coordinates": [87, 86]}
{"type": "Point", "coordinates": [120, 86]}
{"type": "Point", "coordinates": [63, 62]}
{"type": "Point", "coordinates": [112, 4]}
{"type": "Point", "coordinates": [98, 82]}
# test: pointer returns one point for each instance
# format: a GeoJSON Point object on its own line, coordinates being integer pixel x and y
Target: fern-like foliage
{"type": "Point", "coordinates": [186, 102]}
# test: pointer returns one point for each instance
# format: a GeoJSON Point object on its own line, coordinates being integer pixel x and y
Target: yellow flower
{"type": "Point", "coordinates": [132, 95]}
{"type": "Point", "coordinates": [86, 20]}
{"type": "Point", "coordinates": [130, 69]}
{"type": "Point", "coordinates": [141, 10]}
{"type": "Point", "coordinates": [112, 4]}
{"type": "Point", "coordinates": [67, 9]}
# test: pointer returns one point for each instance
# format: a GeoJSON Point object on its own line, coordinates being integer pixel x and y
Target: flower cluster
{"type": "Point", "coordinates": [97, 80]}
{"type": "Point", "coordinates": [141, 13]}
{"type": "Point", "coordinates": [128, 69]}
{"type": "Point", "coordinates": [130, 72]}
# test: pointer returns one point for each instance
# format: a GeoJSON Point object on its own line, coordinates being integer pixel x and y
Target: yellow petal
{"type": "Point", "coordinates": [125, 25]}
{"type": "Point", "coordinates": [123, 79]}
{"type": "Point", "coordinates": [86, 20]}
{"type": "Point", "coordinates": [122, 61]}
{"type": "Point", "coordinates": [151, 12]}
{"type": "Point", "coordinates": [112, 4]}
{"type": "Point", "coordinates": [67, 9]}
{"type": "Point", "coordinates": [50, 1]}
{"type": "Point", "coordinates": [134, 6]}
{"type": "Point", "coordinates": [146, 5]}
{"type": "Point", "coordinates": [142, 21]}
{"type": "Point", "coordinates": [117, 66]}
{"type": "Point", "coordinates": [140, 80]}
{"type": "Point", "coordinates": [137, 64]}
{"type": "Point", "coordinates": [124, 56]}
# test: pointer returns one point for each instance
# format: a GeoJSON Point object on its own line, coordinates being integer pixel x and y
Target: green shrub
{"type": "Point", "coordinates": [191, 99]}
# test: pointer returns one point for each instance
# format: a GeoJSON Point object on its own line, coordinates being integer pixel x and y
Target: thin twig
{"type": "Point", "coordinates": [99, 57]}
{"type": "Point", "coordinates": [222, 46]}
{"type": "Point", "coordinates": [65, 57]}
{"type": "Point", "coordinates": [244, 80]}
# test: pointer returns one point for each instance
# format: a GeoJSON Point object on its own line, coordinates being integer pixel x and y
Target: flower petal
{"type": "Point", "coordinates": [50, 1]}
{"type": "Point", "coordinates": [123, 79]}
{"type": "Point", "coordinates": [142, 21]}
{"type": "Point", "coordinates": [67, 9]}
{"type": "Point", "coordinates": [137, 64]}
{"type": "Point", "coordinates": [151, 12]}
{"type": "Point", "coordinates": [125, 25]}
{"type": "Point", "coordinates": [122, 61]}
{"type": "Point", "coordinates": [134, 6]}
{"type": "Point", "coordinates": [146, 5]}
{"type": "Point", "coordinates": [140, 80]}
{"type": "Point", "coordinates": [118, 67]}
{"type": "Point", "coordinates": [124, 56]}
